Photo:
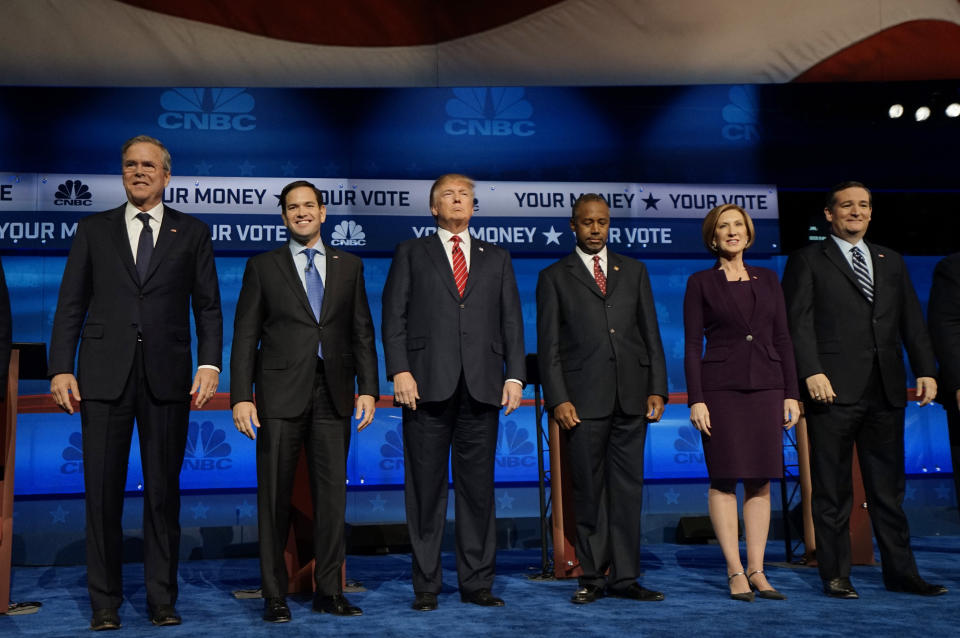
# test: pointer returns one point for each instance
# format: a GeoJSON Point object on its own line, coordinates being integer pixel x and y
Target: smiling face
{"type": "Point", "coordinates": [849, 213]}
{"type": "Point", "coordinates": [144, 175]}
{"type": "Point", "coordinates": [303, 215]}
{"type": "Point", "coordinates": [731, 234]}
{"type": "Point", "coordinates": [591, 224]}
{"type": "Point", "coordinates": [452, 204]}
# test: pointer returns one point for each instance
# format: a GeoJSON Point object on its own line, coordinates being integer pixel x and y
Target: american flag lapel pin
{"type": "Point", "coordinates": [173, 230]}
{"type": "Point", "coordinates": [617, 268]}
{"type": "Point", "coordinates": [480, 248]}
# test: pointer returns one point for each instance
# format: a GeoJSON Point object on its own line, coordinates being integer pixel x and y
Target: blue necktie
{"type": "Point", "coordinates": [314, 288]}
{"type": "Point", "coordinates": [144, 247]}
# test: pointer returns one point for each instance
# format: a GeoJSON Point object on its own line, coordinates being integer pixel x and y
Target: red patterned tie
{"type": "Point", "coordinates": [599, 276]}
{"type": "Point", "coordinates": [459, 265]}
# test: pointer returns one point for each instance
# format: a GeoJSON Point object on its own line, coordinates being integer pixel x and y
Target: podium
{"type": "Point", "coordinates": [8, 444]}
{"type": "Point", "coordinates": [565, 563]}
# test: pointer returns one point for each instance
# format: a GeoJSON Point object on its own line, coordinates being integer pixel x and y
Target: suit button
{"type": "Point", "coordinates": [749, 337]}
{"type": "Point", "coordinates": [609, 305]}
{"type": "Point", "coordinates": [141, 296]}
{"type": "Point", "coordinates": [462, 306]}
{"type": "Point", "coordinates": [612, 331]}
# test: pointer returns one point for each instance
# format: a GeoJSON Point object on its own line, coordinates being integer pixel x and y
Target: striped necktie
{"type": "Point", "coordinates": [863, 275]}
{"type": "Point", "coordinates": [459, 265]}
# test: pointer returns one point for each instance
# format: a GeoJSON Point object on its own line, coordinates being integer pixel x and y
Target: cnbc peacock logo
{"type": "Point", "coordinates": [207, 448]}
{"type": "Point", "coordinates": [391, 451]}
{"type": "Point", "coordinates": [72, 455]}
{"type": "Point", "coordinates": [687, 446]}
{"type": "Point", "coordinates": [514, 447]}
{"type": "Point", "coordinates": [207, 110]}
{"type": "Point", "coordinates": [498, 111]}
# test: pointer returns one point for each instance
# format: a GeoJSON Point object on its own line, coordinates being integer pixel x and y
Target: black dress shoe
{"type": "Point", "coordinates": [635, 592]}
{"type": "Point", "coordinates": [424, 601]}
{"type": "Point", "coordinates": [481, 597]}
{"type": "Point", "coordinates": [105, 619]}
{"type": "Point", "coordinates": [587, 594]}
{"type": "Point", "coordinates": [276, 610]}
{"type": "Point", "coordinates": [919, 586]}
{"type": "Point", "coordinates": [336, 605]}
{"type": "Point", "coordinates": [164, 615]}
{"type": "Point", "coordinates": [839, 588]}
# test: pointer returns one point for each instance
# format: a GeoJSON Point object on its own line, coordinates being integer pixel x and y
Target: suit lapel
{"type": "Point", "coordinates": [578, 271]}
{"type": "Point", "coordinates": [121, 239]}
{"type": "Point", "coordinates": [613, 271]}
{"type": "Point", "coordinates": [288, 272]}
{"type": "Point", "coordinates": [719, 284]}
{"type": "Point", "coordinates": [438, 257]}
{"type": "Point", "coordinates": [879, 262]}
{"type": "Point", "coordinates": [836, 256]}
{"type": "Point", "coordinates": [169, 228]}
{"type": "Point", "coordinates": [331, 281]}
{"type": "Point", "coordinates": [477, 264]}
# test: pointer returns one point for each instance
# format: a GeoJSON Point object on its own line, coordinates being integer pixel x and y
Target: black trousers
{"type": "Point", "coordinates": [876, 428]}
{"type": "Point", "coordinates": [325, 436]}
{"type": "Point", "coordinates": [470, 427]}
{"type": "Point", "coordinates": [107, 432]}
{"type": "Point", "coordinates": [606, 464]}
{"type": "Point", "coordinates": [953, 426]}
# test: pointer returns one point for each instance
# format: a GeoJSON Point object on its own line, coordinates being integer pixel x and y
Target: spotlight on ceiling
{"type": "Point", "coordinates": [922, 113]}
{"type": "Point", "coordinates": [953, 110]}
{"type": "Point", "coordinates": [895, 111]}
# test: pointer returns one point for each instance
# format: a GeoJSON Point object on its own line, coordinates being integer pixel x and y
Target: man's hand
{"type": "Point", "coordinates": [654, 408]}
{"type": "Point", "coordinates": [926, 390]}
{"type": "Point", "coordinates": [205, 385]}
{"type": "Point", "coordinates": [245, 418]}
{"type": "Point", "coordinates": [700, 417]}
{"type": "Point", "coordinates": [405, 390]}
{"type": "Point", "coordinates": [512, 393]}
{"type": "Point", "coordinates": [566, 416]}
{"type": "Point", "coordinates": [791, 413]}
{"type": "Point", "coordinates": [818, 385]}
{"type": "Point", "coordinates": [366, 406]}
{"type": "Point", "coordinates": [958, 399]}
{"type": "Point", "coordinates": [61, 385]}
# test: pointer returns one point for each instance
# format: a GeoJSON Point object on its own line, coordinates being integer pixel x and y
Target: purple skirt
{"type": "Point", "coordinates": [746, 434]}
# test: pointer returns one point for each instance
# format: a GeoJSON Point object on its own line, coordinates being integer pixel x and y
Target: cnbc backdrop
{"type": "Point", "coordinates": [660, 157]}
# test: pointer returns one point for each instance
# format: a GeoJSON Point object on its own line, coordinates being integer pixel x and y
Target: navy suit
{"type": "Point", "coordinates": [460, 352]}
{"type": "Point", "coordinates": [135, 361]}
{"type": "Point", "coordinates": [603, 354]}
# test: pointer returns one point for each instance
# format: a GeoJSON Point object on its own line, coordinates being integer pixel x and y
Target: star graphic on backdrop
{"type": "Point", "coordinates": [289, 169]}
{"type": "Point", "coordinates": [505, 501]}
{"type": "Point", "coordinates": [246, 169]}
{"type": "Point", "coordinates": [651, 202]}
{"type": "Point", "coordinates": [277, 195]}
{"type": "Point", "coordinates": [330, 169]}
{"type": "Point", "coordinates": [910, 494]}
{"type": "Point", "coordinates": [203, 168]}
{"type": "Point", "coordinates": [59, 515]}
{"type": "Point", "coordinates": [942, 491]}
{"type": "Point", "coordinates": [672, 496]}
{"type": "Point", "coordinates": [246, 509]}
{"type": "Point", "coordinates": [199, 511]}
{"type": "Point", "coordinates": [553, 236]}
{"type": "Point", "coordinates": [376, 504]}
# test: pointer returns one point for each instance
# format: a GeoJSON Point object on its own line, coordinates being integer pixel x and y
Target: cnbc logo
{"type": "Point", "coordinates": [207, 110]}
{"type": "Point", "coordinates": [72, 455]}
{"type": "Point", "coordinates": [687, 448]}
{"type": "Point", "coordinates": [207, 448]}
{"type": "Point", "coordinates": [741, 115]}
{"type": "Point", "coordinates": [73, 192]}
{"type": "Point", "coordinates": [514, 448]}
{"type": "Point", "coordinates": [392, 450]}
{"type": "Point", "coordinates": [348, 233]}
{"type": "Point", "coordinates": [494, 112]}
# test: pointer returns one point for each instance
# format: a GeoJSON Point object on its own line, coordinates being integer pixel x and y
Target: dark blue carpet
{"type": "Point", "coordinates": [692, 577]}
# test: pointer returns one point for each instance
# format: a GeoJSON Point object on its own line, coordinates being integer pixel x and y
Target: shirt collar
{"type": "Point", "coordinates": [845, 246]}
{"type": "Point", "coordinates": [445, 236]}
{"type": "Point", "coordinates": [587, 257]}
{"type": "Point", "coordinates": [296, 247]}
{"type": "Point", "coordinates": [131, 212]}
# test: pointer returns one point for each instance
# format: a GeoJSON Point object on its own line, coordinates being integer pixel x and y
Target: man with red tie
{"type": "Point", "coordinates": [453, 344]}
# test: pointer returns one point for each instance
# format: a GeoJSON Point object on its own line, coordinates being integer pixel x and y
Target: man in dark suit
{"type": "Point", "coordinates": [604, 378]}
{"type": "Point", "coordinates": [850, 306]}
{"type": "Point", "coordinates": [132, 275]}
{"type": "Point", "coordinates": [944, 316]}
{"type": "Point", "coordinates": [6, 332]}
{"type": "Point", "coordinates": [453, 343]}
{"type": "Point", "coordinates": [305, 305]}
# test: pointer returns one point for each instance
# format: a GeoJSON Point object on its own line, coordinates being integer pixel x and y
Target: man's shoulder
{"type": "Point", "coordinates": [343, 256]}
{"type": "Point", "coordinates": [625, 262]}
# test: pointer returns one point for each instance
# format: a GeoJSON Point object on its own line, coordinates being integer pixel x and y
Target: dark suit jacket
{"type": "Point", "coordinates": [274, 312]}
{"type": "Point", "coordinates": [944, 317]}
{"type": "Point", "coordinates": [594, 349]}
{"type": "Point", "coordinates": [101, 296]}
{"type": "Point", "coordinates": [742, 353]}
{"type": "Point", "coordinates": [433, 333]}
{"type": "Point", "coordinates": [6, 332]}
{"type": "Point", "coordinates": [836, 331]}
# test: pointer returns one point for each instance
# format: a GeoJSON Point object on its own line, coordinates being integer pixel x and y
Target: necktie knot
{"type": "Point", "coordinates": [310, 253]}
{"type": "Point", "coordinates": [145, 218]}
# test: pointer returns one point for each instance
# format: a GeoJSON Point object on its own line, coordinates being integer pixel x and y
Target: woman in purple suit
{"type": "Point", "coordinates": [742, 390]}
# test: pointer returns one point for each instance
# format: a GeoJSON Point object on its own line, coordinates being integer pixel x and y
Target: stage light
{"type": "Point", "coordinates": [922, 113]}
{"type": "Point", "coordinates": [895, 111]}
{"type": "Point", "coordinates": [953, 110]}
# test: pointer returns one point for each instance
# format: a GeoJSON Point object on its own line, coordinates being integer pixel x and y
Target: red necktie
{"type": "Point", "coordinates": [459, 265]}
{"type": "Point", "coordinates": [599, 276]}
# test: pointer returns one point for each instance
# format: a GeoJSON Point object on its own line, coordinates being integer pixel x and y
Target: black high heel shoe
{"type": "Point", "coordinates": [769, 594]}
{"type": "Point", "coordinates": [746, 597]}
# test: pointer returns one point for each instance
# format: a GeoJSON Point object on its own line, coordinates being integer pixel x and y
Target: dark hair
{"type": "Point", "coordinates": [585, 198]}
{"type": "Point", "coordinates": [842, 186]}
{"type": "Point", "coordinates": [146, 139]}
{"type": "Point", "coordinates": [449, 177]}
{"type": "Point", "coordinates": [713, 218]}
{"type": "Point", "coordinates": [300, 183]}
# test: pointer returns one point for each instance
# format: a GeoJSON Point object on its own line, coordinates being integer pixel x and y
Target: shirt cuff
{"type": "Point", "coordinates": [209, 367]}
{"type": "Point", "coordinates": [517, 381]}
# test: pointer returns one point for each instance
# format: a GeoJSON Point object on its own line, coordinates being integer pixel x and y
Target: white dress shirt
{"type": "Point", "coordinates": [464, 236]}
{"type": "Point", "coordinates": [300, 260]}
{"type": "Point", "coordinates": [845, 248]}
{"type": "Point", "coordinates": [587, 259]}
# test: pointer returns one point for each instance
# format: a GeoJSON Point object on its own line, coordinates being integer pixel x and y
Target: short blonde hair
{"type": "Point", "coordinates": [710, 226]}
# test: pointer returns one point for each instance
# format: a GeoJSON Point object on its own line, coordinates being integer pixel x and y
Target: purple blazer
{"type": "Point", "coordinates": [742, 353]}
